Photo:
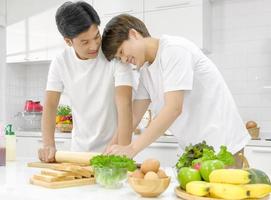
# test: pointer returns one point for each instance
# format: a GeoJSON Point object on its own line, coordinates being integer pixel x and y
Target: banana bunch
{"type": "Point", "coordinates": [230, 184]}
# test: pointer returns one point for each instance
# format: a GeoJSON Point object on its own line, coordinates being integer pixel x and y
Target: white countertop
{"type": "Point", "coordinates": [14, 185]}
{"type": "Point", "coordinates": [162, 139]}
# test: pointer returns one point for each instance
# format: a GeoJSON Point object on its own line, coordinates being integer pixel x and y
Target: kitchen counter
{"type": "Point", "coordinates": [14, 185]}
{"type": "Point", "coordinates": [38, 134]}
{"type": "Point", "coordinates": [162, 139]}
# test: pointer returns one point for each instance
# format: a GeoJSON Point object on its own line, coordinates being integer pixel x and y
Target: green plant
{"type": "Point", "coordinates": [64, 110]}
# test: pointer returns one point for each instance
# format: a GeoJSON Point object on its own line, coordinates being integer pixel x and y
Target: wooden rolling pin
{"type": "Point", "coordinates": [74, 157]}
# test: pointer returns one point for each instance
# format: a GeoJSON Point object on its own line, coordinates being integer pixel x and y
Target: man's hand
{"type": "Point", "coordinates": [47, 154]}
{"type": "Point", "coordinates": [121, 150]}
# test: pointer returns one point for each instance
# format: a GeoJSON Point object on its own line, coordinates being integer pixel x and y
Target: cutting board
{"type": "Point", "coordinates": [43, 165]}
{"type": "Point", "coordinates": [185, 196]}
{"type": "Point", "coordinates": [63, 184]}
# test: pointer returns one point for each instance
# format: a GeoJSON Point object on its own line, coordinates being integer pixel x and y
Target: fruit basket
{"type": "Point", "coordinates": [64, 119]}
{"type": "Point", "coordinates": [65, 128]}
{"type": "Point", "coordinates": [254, 132]}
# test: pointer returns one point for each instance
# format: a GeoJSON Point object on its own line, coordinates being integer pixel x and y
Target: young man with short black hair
{"type": "Point", "coordinates": [99, 91]}
{"type": "Point", "coordinates": [188, 94]}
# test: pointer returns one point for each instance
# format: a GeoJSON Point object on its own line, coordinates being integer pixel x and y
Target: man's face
{"type": "Point", "coordinates": [86, 44]}
{"type": "Point", "coordinates": [132, 51]}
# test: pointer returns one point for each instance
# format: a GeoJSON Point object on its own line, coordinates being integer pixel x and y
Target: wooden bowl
{"type": "Point", "coordinates": [149, 188]}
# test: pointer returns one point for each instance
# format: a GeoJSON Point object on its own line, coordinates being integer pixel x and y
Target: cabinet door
{"type": "Point", "coordinates": [2, 13]}
{"type": "Point", "coordinates": [16, 41]}
{"type": "Point", "coordinates": [166, 153]}
{"type": "Point", "coordinates": [178, 21]}
{"type": "Point", "coordinates": [111, 8]}
{"type": "Point", "coordinates": [151, 5]}
{"type": "Point", "coordinates": [259, 158]}
{"type": "Point", "coordinates": [28, 146]}
{"type": "Point", "coordinates": [105, 20]}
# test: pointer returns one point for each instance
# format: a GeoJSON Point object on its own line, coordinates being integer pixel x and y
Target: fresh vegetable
{"type": "Point", "coordinates": [63, 110]}
{"type": "Point", "coordinates": [191, 153]}
{"type": "Point", "coordinates": [113, 161]}
{"type": "Point", "coordinates": [225, 156]}
{"type": "Point", "coordinates": [64, 115]}
{"type": "Point", "coordinates": [186, 175]}
{"type": "Point", "coordinates": [194, 155]}
{"type": "Point", "coordinates": [110, 170]}
{"type": "Point", "coordinates": [208, 166]}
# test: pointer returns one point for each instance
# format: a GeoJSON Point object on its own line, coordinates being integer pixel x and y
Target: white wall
{"type": "Point", "coordinates": [24, 82]}
{"type": "Point", "coordinates": [2, 60]}
{"type": "Point", "coordinates": [241, 38]}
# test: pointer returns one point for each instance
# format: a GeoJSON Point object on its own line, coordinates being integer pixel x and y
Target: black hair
{"type": "Point", "coordinates": [73, 18]}
{"type": "Point", "coordinates": [117, 30]}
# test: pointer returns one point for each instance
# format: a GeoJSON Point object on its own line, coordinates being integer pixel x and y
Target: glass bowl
{"type": "Point", "coordinates": [110, 177]}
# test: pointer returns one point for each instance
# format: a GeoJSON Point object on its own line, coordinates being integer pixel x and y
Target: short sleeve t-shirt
{"type": "Point", "coordinates": [90, 86]}
{"type": "Point", "coordinates": [209, 112]}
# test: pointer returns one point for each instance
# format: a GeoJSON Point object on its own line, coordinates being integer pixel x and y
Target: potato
{"type": "Point", "coordinates": [138, 174]}
{"type": "Point", "coordinates": [161, 173]}
{"type": "Point", "coordinates": [151, 176]}
{"type": "Point", "coordinates": [150, 165]}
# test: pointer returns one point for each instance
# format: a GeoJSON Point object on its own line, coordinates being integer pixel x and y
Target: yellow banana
{"type": "Point", "coordinates": [258, 190]}
{"type": "Point", "coordinates": [198, 188]}
{"type": "Point", "coordinates": [230, 176]}
{"type": "Point", "coordinates": [228, 191]}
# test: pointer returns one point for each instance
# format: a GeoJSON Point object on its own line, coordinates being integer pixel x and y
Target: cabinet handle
{"type": "Point", "coordinates": [174, 5]}
{"type": "Point", "coordinates": [119, 12]}
{"type": "Point", "coordinates": [261, 150]}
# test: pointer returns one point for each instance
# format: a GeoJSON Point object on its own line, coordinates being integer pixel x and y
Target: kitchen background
{"type": "Point", "coordinates": [235, 34]}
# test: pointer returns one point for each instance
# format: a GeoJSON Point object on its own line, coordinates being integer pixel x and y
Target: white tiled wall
{"type": "Point", "coordinates": [24, 82]}
{"type": "Point", "coordinates": [241, 49]}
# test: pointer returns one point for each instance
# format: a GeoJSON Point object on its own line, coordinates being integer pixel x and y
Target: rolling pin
{"type": "Point", "coordinates": [74, 157]}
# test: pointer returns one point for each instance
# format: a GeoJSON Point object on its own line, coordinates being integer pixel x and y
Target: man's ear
{"type": "Point", "coordinates": [134, 34]}
{"type": "Point", "coordinates": [68, 41]}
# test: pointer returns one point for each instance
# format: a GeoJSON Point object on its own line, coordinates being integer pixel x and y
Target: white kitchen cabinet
{"type": "Point", "coordinates": [105, 20]}
{"type": "Point", "coordinates": [166, 153]}
{"type": "Point", "coordinates": [34, 38]}
{"type": "Point", "coordinates": [107, 8]}
{"type": "Point", "coordinates": [29, 146]}
{"type": "Point", "coordinates": [186, 18]}
{"type": "Point", "coordinates": [2, 13]}
{"type": "Point", "coordinates": [259, 157]}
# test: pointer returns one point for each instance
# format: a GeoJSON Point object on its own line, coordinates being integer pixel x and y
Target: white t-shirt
{"type": "Point", "coordinates": [90, 86]}
{"type": "Point", "coordinates": [209, 112]}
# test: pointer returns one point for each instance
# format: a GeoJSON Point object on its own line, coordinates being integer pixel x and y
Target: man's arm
{"type": "Point", "coordinates": [169, 113]}
{"type": "Point", "coordinates": [140, 107]}
{"type": "Point", "coordinates": [123, 98]}
{"type": "Point", "coordinates": [47, 152]}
